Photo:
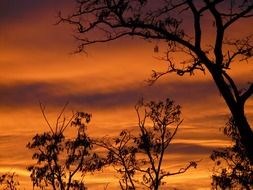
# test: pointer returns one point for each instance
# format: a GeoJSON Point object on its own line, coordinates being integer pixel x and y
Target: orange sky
{"type": "Point", "coordinates": [37, 65]}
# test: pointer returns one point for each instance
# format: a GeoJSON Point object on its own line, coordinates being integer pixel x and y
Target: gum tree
{"type": "Point", "coordinates": [165, 20]}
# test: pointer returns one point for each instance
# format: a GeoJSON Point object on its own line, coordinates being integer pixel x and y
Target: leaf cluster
{"type": "Point", "coordinates": [233, 169]}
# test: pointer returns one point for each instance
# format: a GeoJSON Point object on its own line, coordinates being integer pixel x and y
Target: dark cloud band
{"type": "Point", "coordinates": [29, 94]}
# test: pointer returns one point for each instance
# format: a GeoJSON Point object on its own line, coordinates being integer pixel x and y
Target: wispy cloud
{"type": "Point", "coordinates": [30, 93]}
{"type": "Point", "coordinates": [17, 10]}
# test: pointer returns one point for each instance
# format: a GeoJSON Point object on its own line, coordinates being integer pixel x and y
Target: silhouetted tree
{"type": "Point", "coordinates": [165, 20]}
{"type": "Point", "coordinates": [60, 160]}
{"type": "Point", "coordinates": [9, 181]}
{"type": "Point", "coordinates": [140, 158]}
{"type": "Point", "coordinates": [122, 155]}
{"type": "Point", "coordinates": [232, 167]}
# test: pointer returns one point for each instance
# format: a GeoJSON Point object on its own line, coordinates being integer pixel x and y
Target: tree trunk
{"type": "Point", "coordinates": [156, 185]}
{"type": "Point", "coordinates": [237, 110]}
{"type": "Point", "coordinates": [245, 132]}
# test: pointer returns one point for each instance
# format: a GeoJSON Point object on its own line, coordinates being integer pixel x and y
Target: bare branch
{"type": "Point", "coordinates": [42, 108]}
{"type": "Point", "coordinates": [181, 171]}
{"type": "Point", "coordinates": [239, 15]}
{"type": "Point", "coordinates": [60, 116]}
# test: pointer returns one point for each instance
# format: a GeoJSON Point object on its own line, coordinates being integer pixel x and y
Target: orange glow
{"type": "Point", "coordinates": [37, 66]}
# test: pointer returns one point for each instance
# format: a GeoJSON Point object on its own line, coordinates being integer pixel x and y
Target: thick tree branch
{"type": "Point", "coordinates": [245, 96]}
{"type": "Point", "coordinates": [219, 32]}
{"type": "Point", "coordinates": [197, 26]}
{"type": "Point", "coordinates": [232, 84]}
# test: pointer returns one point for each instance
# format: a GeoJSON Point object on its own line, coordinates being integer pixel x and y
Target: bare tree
{"type": "Point", "coordinates": [140, 158]}
{"type": "Point", "coordinates": [232, 167]}
{"type": "Point", "coordinates": [164, 20]}
{"type": "Point", "coordinates": [9, 181]}
{"type": "Point", "coordinates": [60, 160]}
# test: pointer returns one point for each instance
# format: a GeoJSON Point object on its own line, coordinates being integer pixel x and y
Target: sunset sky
{"type": "Point", "coordinates": [37, 65]}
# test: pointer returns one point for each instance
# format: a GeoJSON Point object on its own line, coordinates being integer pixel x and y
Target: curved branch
{"type": "Point", "coordinates": [42, 108]}
{"type": "Point", "coordinates": [232, 84]}
{"type": "Point", "coordinates": [181, 171]}
{"type": "Point", "coordinates": [245, 96]}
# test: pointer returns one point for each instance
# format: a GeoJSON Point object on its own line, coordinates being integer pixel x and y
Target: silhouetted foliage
{"type": "Point", "coordinates": [232, 167]}
{"type": "Point", "coordinates": [140, 158]}
{"type": "Point", "coordinates": [166, 21]}
{"type": "Point", "coordinates": [60, 160]}
{"type": "Point", "coordinates": [122, 156]}
{"type": "Point", "coordinates": [9, 181]}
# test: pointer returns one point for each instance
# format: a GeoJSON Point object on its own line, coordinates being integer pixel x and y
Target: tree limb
{"type": "Point", "coordinates": [247, 94]}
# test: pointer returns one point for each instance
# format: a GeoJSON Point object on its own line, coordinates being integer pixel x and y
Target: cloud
{"type": "Point", "coordinates": [189, 149]}
{"type": "Point", "coordinates": [30, 93]}
{"type": "Point", "coordinates": [13, 153]}
{"type": "Point", "coordinates": [17, 10]}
